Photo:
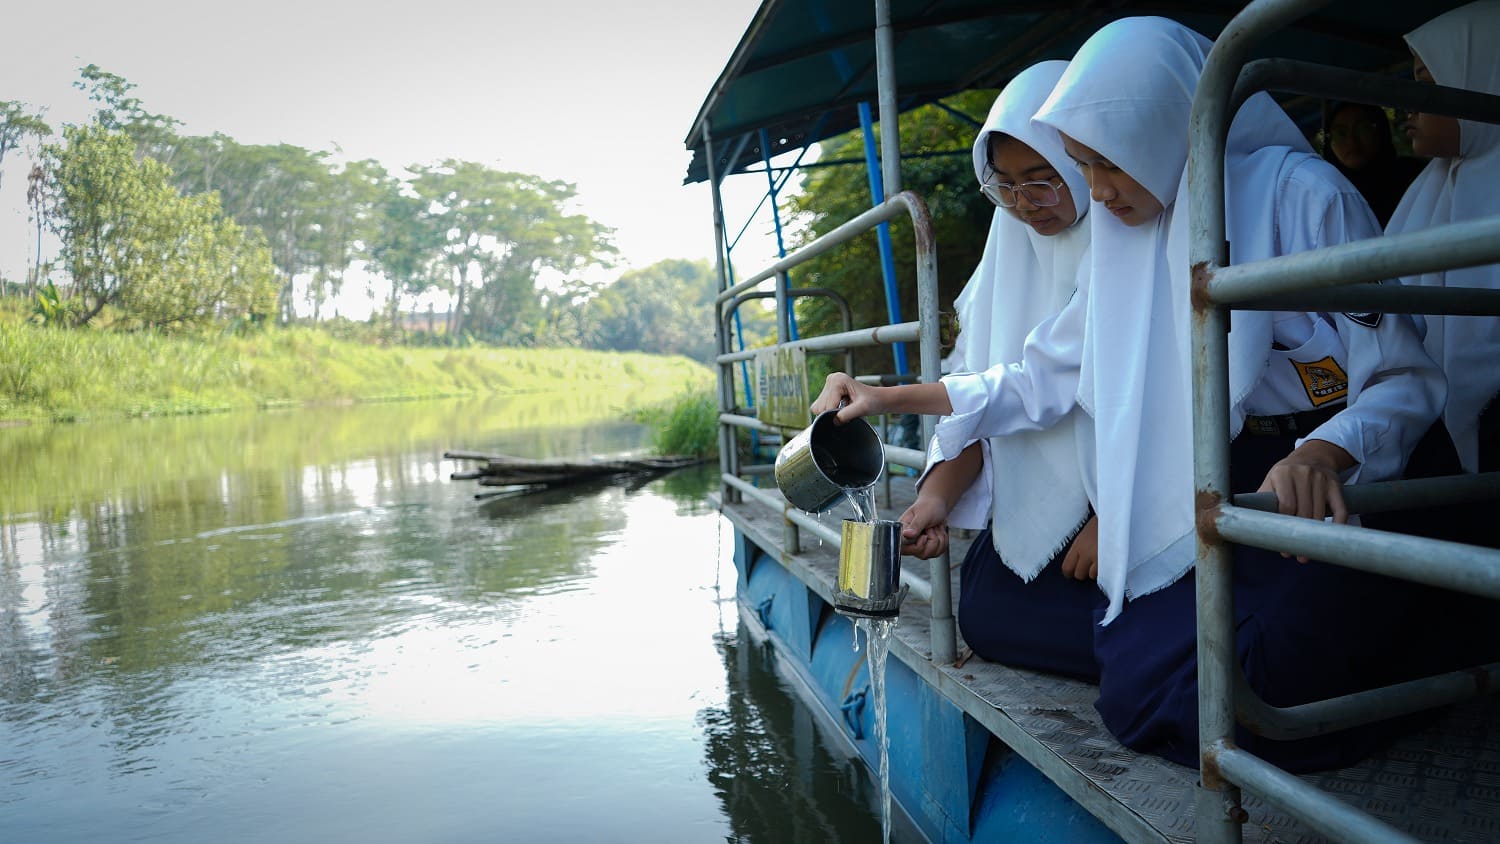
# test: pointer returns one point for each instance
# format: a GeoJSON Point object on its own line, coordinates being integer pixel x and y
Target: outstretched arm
{"type": "Point", "coordinates": [853, 399]}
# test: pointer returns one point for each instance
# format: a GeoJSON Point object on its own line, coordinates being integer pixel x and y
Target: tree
{"type": "Point", "coordinates": [403, 247]}
{"type": "Point", "coordinates": [16, 124]}
{"type": "Point", "coordinates": [119, 111]}
{"type": "Point", "coordinates": [289, 193]}
{"type": "Point", "coordinates": [130, 240]}
{"type": "Point", "coordinates": [830, 196]}
{"type": "Point", "coordinates": [211, 270]}
{"type": "Point", "coordinates": [666, 308]}
{"type": "Point", "coordinates": [501, 230]}
{"type": "Point", "coordinates": [281, 201]}
{"type": "Point", "coordinates": [343, 222]}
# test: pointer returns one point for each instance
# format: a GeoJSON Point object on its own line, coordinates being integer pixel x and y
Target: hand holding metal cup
{"type": "Point", "coordinates": [818, 466]}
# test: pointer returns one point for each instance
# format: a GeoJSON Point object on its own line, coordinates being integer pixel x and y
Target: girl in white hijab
{"type": "Point", "coordinates": [1458, 50]}
{"type": "Point", "coordinates": [1305, 632]}
{"type": "Point", "coordinates": [1031, 510]}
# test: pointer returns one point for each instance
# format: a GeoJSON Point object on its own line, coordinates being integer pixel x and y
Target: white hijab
{"type": "Point", "coordinates": [1037, 496]}
{"type": "Point", "coordinates": [1127, 94]}
{"type": "Point", "coordinates": [1459, 47]}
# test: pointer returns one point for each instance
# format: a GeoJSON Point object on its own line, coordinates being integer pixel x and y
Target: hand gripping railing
{"type": "Point", "coordinates": [1306, 281]}
{"type": "Point", "coordinates": [924, 332]}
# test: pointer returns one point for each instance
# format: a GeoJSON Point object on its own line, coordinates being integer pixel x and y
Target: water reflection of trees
{"type": "Point", "coordinates": [51, 466]}
{"type": "Point", "coordinates": [688, 488]}
{"type": "Point", "coordinates": [142, 554]}
{"type": "Point", "coordinates": [770, 763]}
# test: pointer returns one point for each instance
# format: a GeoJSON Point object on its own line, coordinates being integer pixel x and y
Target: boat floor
{"type": "Point", "coordinates": [1438, 784]}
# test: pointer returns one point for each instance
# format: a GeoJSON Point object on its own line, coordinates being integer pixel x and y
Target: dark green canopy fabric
{"type": "Point", "coordinates": [803, 66]}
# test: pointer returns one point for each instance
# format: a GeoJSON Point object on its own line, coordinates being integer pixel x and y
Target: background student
{"type": "Point", "coordinates": [1359, 144]}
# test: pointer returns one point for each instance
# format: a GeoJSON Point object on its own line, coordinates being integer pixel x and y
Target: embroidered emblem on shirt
{"type": "Point", "coordinates": [1324, 380]}
{"type": "Point", "coordinates": [1369, 320]}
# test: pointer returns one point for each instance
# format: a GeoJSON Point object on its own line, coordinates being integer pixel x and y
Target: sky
{"type": "Point", "coordinates": [597, 93]}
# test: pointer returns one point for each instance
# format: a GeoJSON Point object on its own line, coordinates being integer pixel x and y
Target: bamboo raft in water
{"type": "Point", "coordinates": [516, 475]}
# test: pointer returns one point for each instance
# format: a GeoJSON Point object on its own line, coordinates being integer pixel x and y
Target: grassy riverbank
{"type": "Point", "coordinates": [61, 375]}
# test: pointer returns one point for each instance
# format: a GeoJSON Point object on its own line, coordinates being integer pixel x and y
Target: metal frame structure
{"type": "Point", "coordinates": [1334, 279]}
{"type": "Point", "coordinates": [937, 590]}
{"type": "Point", "coordinates": [1302, 281]}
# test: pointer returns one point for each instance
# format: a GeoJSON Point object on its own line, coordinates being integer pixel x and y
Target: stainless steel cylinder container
{"type": "Point", "coordinates": [816, 467]}
{"type": "Point", "coordinates": [869, 581]}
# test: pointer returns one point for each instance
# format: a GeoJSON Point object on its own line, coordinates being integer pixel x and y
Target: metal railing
{"type": "Point", "coordinates": [936, 589]}
{"type": "Point", "coordinates": [1307, 281]}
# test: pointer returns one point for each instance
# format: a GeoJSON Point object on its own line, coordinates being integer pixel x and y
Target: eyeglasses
{"type": "Point", "coordinates": [1040, 194]}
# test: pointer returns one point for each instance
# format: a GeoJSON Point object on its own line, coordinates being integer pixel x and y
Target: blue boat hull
{"type": "Point", "coordinates": [953, 778]}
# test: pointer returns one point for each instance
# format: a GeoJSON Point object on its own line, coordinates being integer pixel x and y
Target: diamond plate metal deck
{"type": "Point", "coordinates": [1441, 784]}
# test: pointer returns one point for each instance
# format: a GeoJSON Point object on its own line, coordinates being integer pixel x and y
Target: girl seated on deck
{"type": "Point", "coordinates": [1458, 184]}
{"type": "Point", "coordinates": [1014, 604]}
{"type": "Point", "coordinates": [1316, 399]}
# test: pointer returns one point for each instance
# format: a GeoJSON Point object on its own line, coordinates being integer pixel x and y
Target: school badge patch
{"type": "Point", "coordinates": [1324, 380]}
{"type": "Point", "coordinates": [1369, 320]}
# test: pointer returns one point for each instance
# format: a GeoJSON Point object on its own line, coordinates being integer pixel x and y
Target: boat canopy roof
{"type": "Point", "coordinates": [803, 66]}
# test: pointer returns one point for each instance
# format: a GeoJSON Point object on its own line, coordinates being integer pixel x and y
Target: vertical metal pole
{"type": "Point", "coordinates": [1218, 800]}
{"type": "Point", "coordinates": [783, 316]}
{"type": "Point", "coordinates": [944, 633]}
{"type": "Point", "coordinates": [1219, 814]}
{"type": "Point", "coordinates": [885, 81]}
{"type": "Point", "coordinates": [727, 444]}
{"type": "Point", "coordinates": [882, 234]}
{"type": "Point", "coordinates": [783, 280]}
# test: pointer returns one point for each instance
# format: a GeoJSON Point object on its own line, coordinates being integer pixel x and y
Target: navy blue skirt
{"type": "Point", "coordinates": [1454, 630]}
{"type": "Point", "coordinates": [1046, 624]}
{"type": "Point", "coordinates": [1303, 632]}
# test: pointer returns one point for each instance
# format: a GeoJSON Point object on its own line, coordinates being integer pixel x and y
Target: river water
{"type": "Point", "coordinates": [294, 627]}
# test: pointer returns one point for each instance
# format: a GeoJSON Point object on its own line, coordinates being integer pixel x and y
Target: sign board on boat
{"type": "Point", "coordinates": [781, 387]}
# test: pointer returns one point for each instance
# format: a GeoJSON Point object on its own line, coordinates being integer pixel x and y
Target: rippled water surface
{"type": "Point", "coordinates": [295, 627]}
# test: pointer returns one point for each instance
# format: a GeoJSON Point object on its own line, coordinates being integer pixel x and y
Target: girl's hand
{"type": "Point", "coordinates": [1082, 560]}
{"type": "Point", "coordinates": [851, 398]}
{"type": "Point", "coordinates": [1307, 483]}
{"type": "Point", "coordinates": [924, 528]}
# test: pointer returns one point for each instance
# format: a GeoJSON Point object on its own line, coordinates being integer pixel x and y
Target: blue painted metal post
{"type": "Point", "coordinates": [739, 332]}
{"type": "Point", "coordinates": [883, 233]}
{"type": "Point", "coordinates": [765, 154]}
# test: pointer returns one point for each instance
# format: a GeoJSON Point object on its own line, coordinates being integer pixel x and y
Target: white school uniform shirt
{"type": "Point", "coordinates": [1376, 358]}
{"type": "Point", "coordinates": [1031, 486]}
{"type": "Point", "coordinates": [1459, 48]}
{"type": "Point", "coordinates": [1120, 347]}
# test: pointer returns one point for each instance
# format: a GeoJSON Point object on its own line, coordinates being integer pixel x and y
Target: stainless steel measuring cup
{"type": "Point", "coordinates": [869, 583]}
{"type": "Point", "coordinates": [815, 468]}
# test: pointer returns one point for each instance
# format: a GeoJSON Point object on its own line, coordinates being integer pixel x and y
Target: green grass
{"type": "Point", "coordinates": [686, 426]}
{"type": "Point", "coordinates": [64, 375]}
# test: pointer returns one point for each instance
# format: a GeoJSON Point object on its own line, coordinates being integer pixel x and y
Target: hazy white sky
{"type": "Point", "coordinates": [593, 92]}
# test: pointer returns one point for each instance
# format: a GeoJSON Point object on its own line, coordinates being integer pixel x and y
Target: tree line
{"type": "Point", "coordinates": [168, 231]}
